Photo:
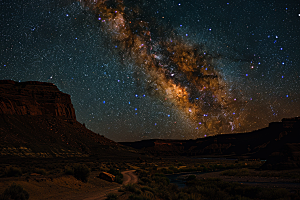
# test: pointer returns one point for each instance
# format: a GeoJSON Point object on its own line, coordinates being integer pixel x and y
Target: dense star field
{"type": "Point", "coordinates": [160, 69]}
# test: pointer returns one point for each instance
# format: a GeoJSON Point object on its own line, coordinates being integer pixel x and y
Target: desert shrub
{"type": "Point", "coordinates": [148, 195]}
{"type": "Point", "coordinates": [131, 188]}
{"type": "Point", "coordinates": [114, 171]}
{"type": "Point", "coordinates": [204, 169]}
{"type": "Point", "coordinates": [167, 171]}
{"type": "Point", "coordinates": [190, 169]}
{"type": "Point", "coordinates": [11, 171]}
{"type": "Point", "coordinates": [119, 180]}
{"type": "Point", "coordinates": [220, 166]}
{"type": "Point", "coordinates": [143, 173]}
{"type": "Point", "coordinates": [117, 174]}
{"type": "Point", "coordinates": [191, 177]}
{"type": "Point", "coordinates": [236, 172]}
{"type": "Point", "coordinates": [173, 187]}
{"type": "Point", "coordinates": [111, 196]}
{"type": "Point", "coordinates": [40, 171]}
{"type": "Point", "coordinates": [181, 196]}
{"type": "Point", "coordinates": [174, 169]}
{"type": "Point", "coordinates": [161, 175]}
{"type": "Point", "coordinates": [163, 194]}
{"type": "Point", "coordinates": [145, 180]}
{"type": "Point", "coordinates": [218, 189]}
{"type": "Point", "coordinates": [15, 192]}
{"type": "Point", "coordinates": [161, 180]}
{"type": "Point", "coordinates": [273, 193]}
{"type": "Point", "coordinates": [137, 197]}
{"type": "Point", "coordinates": [69, 170]}
{"type": "Point", "coordinates": [81, 172]}
{"type": "Point", "coordinates": [144, 189]}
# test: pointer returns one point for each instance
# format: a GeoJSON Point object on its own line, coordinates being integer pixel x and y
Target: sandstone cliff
{"type": "Point", "coordinates": [37, 120]}
{"type": "Point", "coordinates": [34, 98]}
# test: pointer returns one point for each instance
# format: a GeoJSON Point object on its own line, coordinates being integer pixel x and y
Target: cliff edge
{"type": "Point", "coordinates": [38, 121]}
{"type": "Point", "coordinates": [34, 98]}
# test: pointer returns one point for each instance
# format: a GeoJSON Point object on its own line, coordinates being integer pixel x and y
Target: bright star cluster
{"type": "Point", "coordinates": [160, 69]}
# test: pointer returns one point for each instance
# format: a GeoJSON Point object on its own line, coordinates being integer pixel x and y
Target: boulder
{"type": "Point", "coordinates": [107, 176]}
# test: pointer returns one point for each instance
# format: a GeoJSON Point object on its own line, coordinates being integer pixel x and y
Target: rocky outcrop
{"type": "Point", "coordinates": [38, 121]}
{"type": "Point", "coordinates": [34, 98]}
{"type": "Point", "coordinates": [107, 176]}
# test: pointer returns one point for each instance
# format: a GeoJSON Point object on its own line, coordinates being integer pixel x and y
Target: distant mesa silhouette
{"type": "Point", "coordinates": [279, 144]}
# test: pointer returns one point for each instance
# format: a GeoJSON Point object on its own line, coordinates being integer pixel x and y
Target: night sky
{"type": "Point", "coordinates": [160, 69]}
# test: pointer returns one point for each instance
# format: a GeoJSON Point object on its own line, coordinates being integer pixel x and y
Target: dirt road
{"type": "Point", "coordinates": [128, 178]}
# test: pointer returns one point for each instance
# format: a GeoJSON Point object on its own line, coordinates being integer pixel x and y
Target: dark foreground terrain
{"type": "Point", "coordinates": [200, 178]}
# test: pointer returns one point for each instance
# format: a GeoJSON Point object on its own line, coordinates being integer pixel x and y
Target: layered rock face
{"type": "Point", "coordinates": [38, 121]}
{"type": "Point", "coordinates": [34, 98]}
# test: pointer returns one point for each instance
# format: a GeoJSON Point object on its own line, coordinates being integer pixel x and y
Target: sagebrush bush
{"type": "Point", "coordinates": [119, 179]}
{"type": "Point", "coordinates": [131, 188]}
{"type": "Point", "coordinates": [69, 170]}
{"type": "Point", "coordinates": [191, 177]}
{"type": "Point", "coordinates": [236, 172]}
{"type": "Point", "coordinates": [81, 172]}
{"type": "Point", "coordinates": [161, 180]}
{"type": "Point", "coordinates": [111, 196]}
{"type": "Point", "coordinates": [11, 171]}
{"type": "Point", "coordinates": [147, 189]}
{"type": "Point", "coordinates": [137, 197]}
{"type": "Point", "coordinates": [15, 192]}
{"type": "Point", "coordinates": [40, 171]}
{"type": "Point", "coordinates": [143, 173]}
{"type": "Point", "coordinates": [117, 174]}
{"type": "Point", "coordinates": [145, 180]}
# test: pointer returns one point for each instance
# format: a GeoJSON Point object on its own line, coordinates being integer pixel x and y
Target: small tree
{"type": "Point", "coordinates": [81, 172]}
{"type": "Point", "coordinates": [112, 196]}
{"type": "Point", "coordinates": [191, 177]}
{"type": "Point", "coordinates": [12, 171]}
{"type": "Point", "coordinates": [15, 192]}
{"type": "Point", "coordinates": [117, 174]}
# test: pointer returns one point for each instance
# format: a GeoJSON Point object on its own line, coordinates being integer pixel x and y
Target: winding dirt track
{"type": "Point", "coordinates": [128, 178]}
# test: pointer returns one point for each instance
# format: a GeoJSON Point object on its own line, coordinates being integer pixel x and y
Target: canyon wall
{"type": "Point", "coordinates": [34, 98]}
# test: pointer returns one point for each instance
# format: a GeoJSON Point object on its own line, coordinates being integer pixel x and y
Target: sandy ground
{"type": "Point", "coordinates": [67, 187]}
{"type": "Point", "coordinates": [128, 178]}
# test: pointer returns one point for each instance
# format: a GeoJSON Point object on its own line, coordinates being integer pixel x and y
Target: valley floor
{"type": "Point", "coordinates": [67, 187]}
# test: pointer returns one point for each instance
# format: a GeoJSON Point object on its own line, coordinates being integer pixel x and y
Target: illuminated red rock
{"type": "Point", "coordinates": [38, 121]}
{"type": "Point", "coordinates": [34, 98]}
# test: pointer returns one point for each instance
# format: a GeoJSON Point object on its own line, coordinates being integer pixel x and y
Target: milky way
{"type": "Point", "coordinates": [180, 73]}
{"type": "Point", "coordinates": [152, 69]}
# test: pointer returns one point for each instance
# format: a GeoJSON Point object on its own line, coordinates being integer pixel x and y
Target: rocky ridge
{"type": "Point", "coordinates": [38, 121]}
{"type": "Point", "coordinates": [279, 144]}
